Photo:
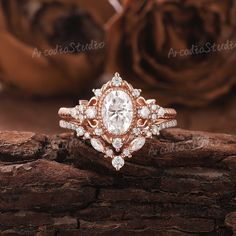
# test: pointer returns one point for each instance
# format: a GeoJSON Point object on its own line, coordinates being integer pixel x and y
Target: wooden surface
{"type": "Point", "coordinates": [180, 184]}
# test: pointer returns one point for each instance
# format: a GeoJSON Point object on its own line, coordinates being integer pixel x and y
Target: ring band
{"type": "Point", "coordinates": [65, 112]}
{"type": "Point", "coordinates": [117, 120]}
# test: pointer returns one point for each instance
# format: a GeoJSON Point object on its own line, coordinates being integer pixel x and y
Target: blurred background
{"type": "Point", "coordinates": [181, 52]}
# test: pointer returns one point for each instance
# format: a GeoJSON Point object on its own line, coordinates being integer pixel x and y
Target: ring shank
{"type": "Point", "coordinates": [170, 113]}
{"type": "Point", "coordinates": [65, 112]}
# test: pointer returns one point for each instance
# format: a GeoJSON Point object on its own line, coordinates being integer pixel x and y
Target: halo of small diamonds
{"type": "Point", "coordinates": [117, 120]}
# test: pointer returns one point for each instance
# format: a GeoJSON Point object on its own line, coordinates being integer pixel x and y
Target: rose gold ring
{"type": "Point", "coordinates": [117, 120]}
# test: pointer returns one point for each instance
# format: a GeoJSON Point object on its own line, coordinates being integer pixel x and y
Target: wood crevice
{"type": "Point", "coordinates": [60, 185]}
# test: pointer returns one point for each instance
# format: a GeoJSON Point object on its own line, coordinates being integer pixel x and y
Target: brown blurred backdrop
{"type": "Point", "coordinates": [52, 53]}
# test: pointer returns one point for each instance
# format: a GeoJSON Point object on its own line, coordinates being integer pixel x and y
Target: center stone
{"type": "Point", "coordinates": [117, 112]}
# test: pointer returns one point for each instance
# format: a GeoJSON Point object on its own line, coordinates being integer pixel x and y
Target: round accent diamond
{"type": "Point", "coordinates": [80, 131]}
{"type": "Point", "coordinates": [80, 117]}
{"type": "Point", "coordinates": [74, 113]}
{"type": "Point", "coordinates": [86, 135]}
{"type": "Point", "coordinates": [136, 131]}
{"type": "Point", "coordinates": [98, 131]}
{"type": "Point", "coordinates": [80, 108]}
{"type": "Point", "coordinates": [62, 124]}
{"type": "Point", "coordinates": [109, 152]}
{"type": "Point", "coordinates": [155, 130]}
{"type": "Point", "coordinates": [116, 80]}
{"type": "Point", "coordinates": [117, 112]}
{"type": "Point", "coordinates": [161, 112]}
{"type": "Point", "coordinates": [118, 162]}
{"type": "Point", "coordinates": [117, 143]}
{"type": "Point", "coordinates": [91, 112]}
{"type": "Point", "coordinates": [149, 134]}
{"type": "Point", "coordinates": [97, 92]}
{"type": "Point", "coordinates": [136, 92]}
{"type": "Point", "coordinates": [126, 152]}
{"type": "Point", "coordinates": [154, 117]}
{"type": "Point", "coordinates": [154, 107]}
{"type": "Point", "coordinates": [144, 112]}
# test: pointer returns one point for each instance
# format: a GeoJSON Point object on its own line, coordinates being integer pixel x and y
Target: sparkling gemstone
{"type": "Point", "coordinates": [150, 101]}
{"type": "Point", "coordinates": [80, 108]}
{"type": "Point", "coordinates": [126, 152]}
{"type": "Point", "coordinates": [86, 135]}
{"type": "Point", "coordinates": [74, 113]}
{"type": "Point", "coordinates": [161, 112]}
{"type": "Point", "coordinates": [168, 124]}
{"type": "Point", "coordinates": [97, 145]}
{"type": "Point", "coordinates": [149, 134]}
{"type": "Point", "coordinates": [62, 124]}
{"type": "Point", "coordinates": [80, 131]}
{"type": "Point", "coordinates": [116, 80]}
{"type": "Point", "coordinates": [98, 131]}
{"type": "Point", "coordinates": [109, 152]}
{"type": "Point", "coordinates": [65, 124]}
{"type": "Point", "coordinates": [118, 162]}
{"type": "Point", "coordinates": [97, 92]}
{"type": "Point", "coordinates": [154, 107]}
{"type": "Point", "coordinates": [162, 126]}
{"type": "Point", "coordinates": [68, 125]}
{"type": "Point", "coordinates": [80, 117]}
{"type": "Point", "coordinates": [117, 112]}
{"type": "Point", "coordinates": [117, 143]}
{"type": "Point", "coordinates": [136, 92]}
{"type": "Point", "coordinates": [155, 130]}
{"type": "Point", "coordinates": [74, 126]}
{"type": "Point", "coordinates": [144, 112]}
{"type": "Point", "coordinates": [136, 131]}
{"type": "Point", "coordinates": [137, 144]}
{"type": "Point", "coordinates": [154, 117]}
{"type": "Point", "coordinates": [91, 112]}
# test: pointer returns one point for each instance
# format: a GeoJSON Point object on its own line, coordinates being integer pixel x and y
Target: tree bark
{"type": "Point", "coordinates": [231, 221]}
{"type": "Point", "coordinates": [182, 183]}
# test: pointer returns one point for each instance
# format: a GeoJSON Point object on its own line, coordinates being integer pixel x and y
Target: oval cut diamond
{"type": "Point", "coordinates": [117, 112]}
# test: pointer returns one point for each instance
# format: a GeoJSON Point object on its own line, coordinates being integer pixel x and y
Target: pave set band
{"type": "Point", "coordinates": [117, 120]}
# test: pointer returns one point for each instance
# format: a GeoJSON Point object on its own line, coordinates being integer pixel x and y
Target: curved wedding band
{"type": "Point", "coordinates": [117, 120]}
{"type": "Point", "coordinates": [65, 112]}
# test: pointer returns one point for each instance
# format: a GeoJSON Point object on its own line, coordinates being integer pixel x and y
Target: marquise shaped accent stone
{"type": "Point", "coordinates": [137, 144]}
{"type": "Point", "coordinates": [97, 145]}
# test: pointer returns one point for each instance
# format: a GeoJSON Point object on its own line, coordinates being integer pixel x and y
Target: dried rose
{"type": "Point", "coordinates": [52, 47]}
{"type": "Point", "coordinates": [177, 51]}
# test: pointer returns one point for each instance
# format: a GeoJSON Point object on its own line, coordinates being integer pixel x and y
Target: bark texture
{"type": "Point", "coordinates": [182, 183]}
